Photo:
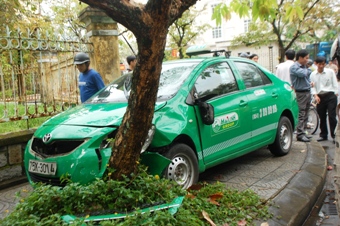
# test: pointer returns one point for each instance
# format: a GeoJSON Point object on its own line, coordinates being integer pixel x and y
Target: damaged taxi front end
{"type": "Point", "coordinates": [63, 149]}
{"type": "Point", "coordinates": [54, 159]}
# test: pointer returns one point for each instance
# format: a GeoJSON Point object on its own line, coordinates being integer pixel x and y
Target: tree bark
{"type": "Point", "coordinates": [149, 23]}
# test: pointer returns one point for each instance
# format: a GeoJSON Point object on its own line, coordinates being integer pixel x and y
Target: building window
{"type": "Point", "coordinates": [212, 8]}
{"type": "Point", "coordinates": [246, 25]}
{"type": "Point", "coordinates": [217, 32]}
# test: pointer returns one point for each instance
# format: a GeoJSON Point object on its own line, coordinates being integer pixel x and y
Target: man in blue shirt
{"type": "Point", "coordinates": [90, 81]}
{"type": "Point", "coordinates": [132, 61]}
{"type": "Point", "coordinates": [299, 76]}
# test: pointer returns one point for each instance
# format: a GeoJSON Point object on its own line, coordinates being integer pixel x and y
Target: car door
{"type": "Point", "coordinates": [228, 136]}
{"type": "Point", "coordinates": [262, 97]}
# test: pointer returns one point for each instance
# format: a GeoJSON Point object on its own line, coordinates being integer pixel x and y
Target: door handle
{"type": "Point", "coordinates": [243, 103]}
{"type": "Point", "coordinates": [275, 95]}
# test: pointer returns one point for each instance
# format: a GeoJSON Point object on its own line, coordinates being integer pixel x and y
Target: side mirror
{"type": "Point", "coordinates": [207, 112]}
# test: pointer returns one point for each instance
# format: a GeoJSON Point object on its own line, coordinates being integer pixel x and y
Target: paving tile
{"type": "Point", "coordinates": [254, 173]}
{"type": "Point", "coordinates": [248, 181]}
{"type": "Point", "coordinates": [239, 187]}
{"type": "Point", "coordinates": [265, 167]}
{"type": "Point", "coordinates": [264, 192]}
{"type": "Point", "coordinates": [9, 199]}
{"type": "Point", "coordinates": [271, 182]}
{"type": "Point", "coordinates": [222, 177]}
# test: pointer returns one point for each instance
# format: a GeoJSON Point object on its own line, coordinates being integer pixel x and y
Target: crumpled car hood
{"type": "Point", "coordinates": [107, 114]}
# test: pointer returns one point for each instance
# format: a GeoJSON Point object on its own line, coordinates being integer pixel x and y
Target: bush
{"type": "Point", "coordinates": [203, 203]}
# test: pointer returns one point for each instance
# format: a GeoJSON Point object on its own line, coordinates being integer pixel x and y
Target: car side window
{"type": "Point", "coordinates": [252, 75]}
{"type": "Point", "coordinates": [215, 80]}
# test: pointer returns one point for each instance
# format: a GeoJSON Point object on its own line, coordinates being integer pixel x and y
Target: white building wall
{"type": "Point", "coordinates": [229, 29]}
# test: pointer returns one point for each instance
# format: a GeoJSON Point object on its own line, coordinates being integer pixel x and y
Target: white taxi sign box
{"type": "Point", "coordinates": [46, 168]}
{"type": "Point", "coordinates": [198, 50]}
{"type": "Point", "coordinates": [203, 50]}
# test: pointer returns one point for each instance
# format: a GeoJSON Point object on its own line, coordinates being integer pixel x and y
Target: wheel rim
{"type": "Point", "coordinates": [180, 171]}
{"type": "Point", "coordinates": [285, 137]}
{"type": "Point", "coordinates": [312, 122]}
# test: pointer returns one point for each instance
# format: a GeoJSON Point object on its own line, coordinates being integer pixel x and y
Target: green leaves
{"type": "Point", "coordinates": [221, 206]}
{"type": "Point", "coordinates": [258, 9]}
{"type": "Point", "coordinates": [242, 8]}
{"type": "Point", "coordinates": [221, 11]}
{"type": "Point", "coordinates": [264, 9]}
{"type": "Point", "coordinates": [293, 11]}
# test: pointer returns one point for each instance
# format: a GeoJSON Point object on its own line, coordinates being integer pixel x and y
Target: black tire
{"type": "Point", "coordinates": [313, 121]}
{"type": "Point", "coordinates": [284, 138]}
{"type": "Point", "coordinates": [184, 166]}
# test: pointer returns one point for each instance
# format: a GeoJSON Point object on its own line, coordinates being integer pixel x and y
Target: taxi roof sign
{"type": "Point", "coordinates": [197, 50]}
{"type": "Point", "coordinates": [204, 49]}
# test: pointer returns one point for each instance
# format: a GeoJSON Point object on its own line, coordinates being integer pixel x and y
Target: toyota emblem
{"type": "Point", "coordinates": [47, 137]}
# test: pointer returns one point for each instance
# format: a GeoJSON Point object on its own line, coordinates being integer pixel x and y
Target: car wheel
{"type": "Point", "coordinates": [284, 138]}
{"type": "Point", "coordinates": [183, 168]}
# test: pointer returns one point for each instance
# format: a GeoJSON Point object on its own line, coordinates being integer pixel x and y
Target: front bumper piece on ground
{"type": "Point", "coordinates": [172, 208]}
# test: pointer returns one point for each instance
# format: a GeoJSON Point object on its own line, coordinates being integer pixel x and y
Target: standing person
{"type": "Point", "coordinates": [338, 78]}
{"type": "Point", "coordinates": [314, 66]}
{"type": "Point", "coordinates": [299, 76]}
{"type": "Point", "coordinates": [282, 70]}
{"type": "Point", "coordinates": [90, 81]}
{"type": "Point", "coordinates": [325, 90]}
{"type": "Point", "coordinates": [254, 57]}
{"type": "Point", "coordinates": [244, 55]}
{"type": "Point", "coordinates": [334, 68]}
{"type": "Point", "coordinates": [310, 65]}
{"type": "Point", "coordinates": [131, 60]}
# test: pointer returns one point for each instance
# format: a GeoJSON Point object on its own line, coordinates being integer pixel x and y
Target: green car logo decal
{"type": "Point", "coordinates": [224, 122]}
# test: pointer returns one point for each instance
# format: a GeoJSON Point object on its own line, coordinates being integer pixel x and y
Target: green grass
{"type": "Point", "coordinates": [33, 112]}
{"type": "Point", "coordinates": [14, 126]}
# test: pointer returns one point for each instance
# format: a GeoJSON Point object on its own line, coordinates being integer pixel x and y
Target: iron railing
{"type": "Point", "coordinates": [37, 75]}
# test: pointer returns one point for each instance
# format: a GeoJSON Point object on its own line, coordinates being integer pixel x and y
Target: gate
{"type": "Point", "coordinates": [37, 75]}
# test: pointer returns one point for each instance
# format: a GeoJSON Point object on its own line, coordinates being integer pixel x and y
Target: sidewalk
{"type": "Point", "coordinates": [292, 183]}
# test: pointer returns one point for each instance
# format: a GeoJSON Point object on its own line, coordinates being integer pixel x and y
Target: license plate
{"type": "Point", "coordinates": [47, 168]}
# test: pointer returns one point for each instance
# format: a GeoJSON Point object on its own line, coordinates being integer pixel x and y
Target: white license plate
{"type": "Point", "coordinates": [47, 168]}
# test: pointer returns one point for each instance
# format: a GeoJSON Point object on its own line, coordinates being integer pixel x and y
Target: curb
{"type": "Point", "coordinates": [13, 182]}
{"type": "Point", "coordinates": [336, 180]}
{"type": "Point", "coordinates": [294, 203]}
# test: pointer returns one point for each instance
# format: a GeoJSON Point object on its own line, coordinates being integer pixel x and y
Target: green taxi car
{"type": "Point", "coordinates": [208, 111]}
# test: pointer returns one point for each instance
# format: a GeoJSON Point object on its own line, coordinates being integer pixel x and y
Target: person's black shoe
{"type": "Point", "coordinates": [322, 139]}
{"type": "Point", "coordinates": [303, 139]}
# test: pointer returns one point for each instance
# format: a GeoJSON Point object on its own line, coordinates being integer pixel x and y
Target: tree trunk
{"type": "Point", "coordinates": [149, 23]}
{"type": "Point", "coordinates": [139, 114]}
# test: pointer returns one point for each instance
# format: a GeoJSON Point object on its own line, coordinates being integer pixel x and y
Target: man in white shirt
{"type": "Point", "coordinates": [325, 91]}
{"type": "Point", "coordinates": [282, 70]}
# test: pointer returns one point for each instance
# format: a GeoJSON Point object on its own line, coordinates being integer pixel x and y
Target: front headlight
{"type": "Point", "coordinates": [149, 138]}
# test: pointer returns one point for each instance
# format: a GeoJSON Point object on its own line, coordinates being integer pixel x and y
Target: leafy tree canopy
{"type": "Point", "coordinates": [52, 16]}
{"type": "Point", "coordinates": [284, 21]}
{"type": "Point", "coordinates": [186, 29]}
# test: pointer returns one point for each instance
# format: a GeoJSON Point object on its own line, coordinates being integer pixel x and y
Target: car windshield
{"type": "Point", "coordinates": [172, 77]}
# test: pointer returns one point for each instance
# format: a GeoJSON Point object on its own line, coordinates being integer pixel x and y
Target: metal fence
{"type": "Point", "coordinates": [37, 75]}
